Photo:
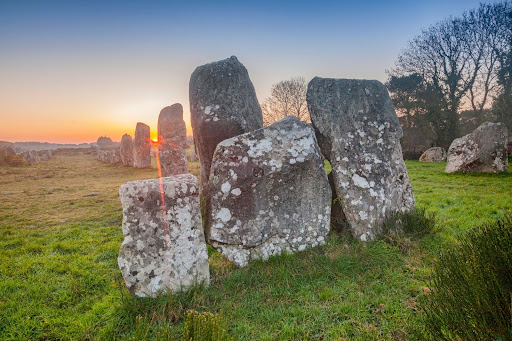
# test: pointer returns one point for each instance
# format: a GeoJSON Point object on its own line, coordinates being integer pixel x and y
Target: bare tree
{"type": "Point", "coordinates": [287, 98]}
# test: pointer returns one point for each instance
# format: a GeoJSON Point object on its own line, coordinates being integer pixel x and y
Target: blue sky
{"type": "Point", "coordinates": [74, 70]}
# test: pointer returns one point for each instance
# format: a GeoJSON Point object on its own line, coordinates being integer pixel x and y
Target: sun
{"type": "Point", "coordinates": [154, 141]}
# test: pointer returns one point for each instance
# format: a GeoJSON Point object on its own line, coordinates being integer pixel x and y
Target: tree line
{"type": "Point", "coordinates": [453, 76]}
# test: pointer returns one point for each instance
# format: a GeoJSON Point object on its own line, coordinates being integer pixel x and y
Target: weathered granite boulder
{"type": "Point", "coordinates": [126, 150]}
{"type": "Point", "coordinates": [164, 246]}
{"type": "Point", "coordinates": [268, 193]}
{"type": "Point", "coordinates": [45, 155]}
{"type": "Point", "coordinates": [142, 146]}
{"type": "Point", "coordinates": [482, 151]}
{"type": "Point", "coordinates": [359, 133]}
{"type": "Point", "coordinates": [223, 104]}
{"type": "Point", "coordinates": [434, 154]}
{"type": "Point", "coordinates": [31, 156]}
{"type": "Point", "coordinates": [172, 140]}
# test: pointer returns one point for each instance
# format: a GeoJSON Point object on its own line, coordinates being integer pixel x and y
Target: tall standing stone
{"type": "Point", "coordinates": [268, 193]}
{"type": "Point", "coordinates": [172, 140]}
{"type": "Point", "coordinates": [223, 104]}
{"type": "Point", "coordinates": [482, 151]}
{"type": "Point", "coordinates": [359, 133]}
{"type": "Point", "coordinates": [127, 150]}
{"type": "Point", "coordinates": [142, 146]}
{"type": "Point", "coordinates": [164, 246]}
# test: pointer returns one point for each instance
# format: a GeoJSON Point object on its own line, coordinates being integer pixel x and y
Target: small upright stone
{"type": "Point", "coordinates": [172, 140]}
{"type": "Point", "coordinates": [142, 146]}
{"type": "Point", "coordinates": [359, 133]}
{"type": "Point", "coordinates": [223, 104]}
{"type": "Point", "coordinates": [268, 193]}
{"type": "Point", "coordinates": [127, 150]}
{"type": "Point", "coordinates": [482, 151]}
{"type": "Point", "coordinates": [164, 247]}
{"type": "Point", "coordinates": [434, 154]}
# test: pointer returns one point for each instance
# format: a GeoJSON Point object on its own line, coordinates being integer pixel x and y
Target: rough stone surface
{"type": "Point", "coordinates": [142, 146]}
{"type": "Point", "coordinates": [482, 151]}
{"type": "Point", "coordinates": [164, 247]}
{"type": "Point", "coordinates": [223, 104]}
{"type": "Point", "coordinates": [359, 133]}
{"type": "Point", "coordinates": [434, 154]}
{"type": "Point", "coordinates": [109, 155]}
{"type": "Point", "coordinates": [45, 155]}
{"type": "Point", "coordinates": [126, 150]}
{"type": "Point", "coordinates": [31, 156]}
{"type": "Point", "coordinates": [268, 193]}
{"type": "Point", "coordinates": [172, 140]}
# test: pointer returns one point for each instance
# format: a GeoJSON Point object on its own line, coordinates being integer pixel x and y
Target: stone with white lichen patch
{"type": "Point", "coordinates": [172, 140]}
{"type": "Point", "coordinates": [260, 204]}
{"type": "Point", "coordinates": [164, 247]}
{"type": "Point", "coordinates": [434, 154]}
{"type": "Point", "coordinates": [482, 151]}
{"type": "Point", "coordinates": [223, 104]}
{"type": "Point", "coordinates": [359, 133]}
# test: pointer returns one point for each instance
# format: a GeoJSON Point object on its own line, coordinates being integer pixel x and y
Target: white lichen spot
{"type": "Point", "coordinates": [224, 214]}
{"type": "Point", "coordinates": [236, 191]}
{"type": "Point", "coordinates": [225, 187]}
{"type": "Point", "coordinates": [360, 181]}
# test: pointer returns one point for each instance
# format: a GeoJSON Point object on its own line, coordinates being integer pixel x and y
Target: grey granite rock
{"type": "Point", "coordinates": [359, 133]}
{"type": "Point", "coordinates": [172, 140]}
{"type": "Point", "coordinates": [108, 154]}
{"type": "Point", "coordinates": [434, 154]}
{"type": "Point", "coordinates": [223, 104]}
{"type": "Point", "coordinates": [142, 146]}
{"type": "Point", "coordinates": [126, 150]}
{"type": "Point", "coordinates": [45, 155]}
{"type": "Point", "coordinates": [268, 193]}
{"type": "Point", "coordinates": [164, 247]}
{"type": "Point", "coordinates": [482, 151]}
{"type": "Point", "coordinates": [31, 156]}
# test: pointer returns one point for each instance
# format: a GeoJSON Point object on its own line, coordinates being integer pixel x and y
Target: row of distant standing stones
{"type": "Point", "coordinates": [265, 190]}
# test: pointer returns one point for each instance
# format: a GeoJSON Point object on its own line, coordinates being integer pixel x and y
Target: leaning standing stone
{"type": "Point", "coordinates": [127, 150]}
{"type": "Point", "coordinates": [434, 154]}
{"type": "Point", "coordinates": [223, 104]}
{"type": "Point", "coordinates": [482, 151]}
{"type": "Point", "coordinates": [164, 247]}
{"type": "Point", "coordinates": [268, 193]}
{"type": "Point", "coordinates": [142, 146]}
{"type": "Point", "coordinates": [359, 133]}
{"type": "Point", "coordinates": [172, 140]}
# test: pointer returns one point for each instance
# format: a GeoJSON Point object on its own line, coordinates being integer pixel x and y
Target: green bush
{"type": "Point", "coordinates": [204, 327]}
{"type": "Point", "coordinates": [472, 287]}
{"type": "Point", "coordinates": [401, 229]}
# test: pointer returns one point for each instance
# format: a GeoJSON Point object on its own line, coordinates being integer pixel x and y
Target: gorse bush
{"type": "Point", "coordinates": [12, 160]}
{"type": "Point", "coordinates": [402, 228]}
{"type": "Point", "coordinates": [472, 287]}
{"type": "Point", "coordinates": [204, 327]}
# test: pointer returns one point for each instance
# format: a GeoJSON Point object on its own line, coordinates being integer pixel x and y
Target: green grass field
{"type": "Point", "coordinates": [59, 278]}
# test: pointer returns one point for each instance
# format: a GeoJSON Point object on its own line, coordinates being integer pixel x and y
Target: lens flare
{"type": "Point", "coordinates": [162, 196]}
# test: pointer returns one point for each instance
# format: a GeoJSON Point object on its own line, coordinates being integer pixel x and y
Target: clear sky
{"type": "Point", "coordinates": [71, 71]}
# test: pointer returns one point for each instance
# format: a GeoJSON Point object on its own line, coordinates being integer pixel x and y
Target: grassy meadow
{"type": "Point", "coordinates": [60, 232]}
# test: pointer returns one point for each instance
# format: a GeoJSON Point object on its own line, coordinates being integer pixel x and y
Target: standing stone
{"type": "Point", "coordinates": [482, 151]}
{"type": "Point", "coordinates": [142, 146]}
{"type": "Point", "coordinates": [223, 104]}
{"type": "Point", "coordinates": [268, 193]}
{"type": "Point", "coordinates": [31, 156]}
{"type": "Point", "coordinates": [172, 140]}
{"type": "Point", "coordinates": [109, 155]}
{"type": "Point", "coordinates": [45, 155]}
{"type": "Point", "coordinates": [127, 150]}
{"type": "Point", "coordinates": [164, 246]}
{"type": "Point", "coordinates": [359, 133]}
{"type": "Point", "coordinates": [434, 154]}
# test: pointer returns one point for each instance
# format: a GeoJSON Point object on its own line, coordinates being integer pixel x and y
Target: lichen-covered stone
{"type": "Point", "coordinates": [172, 140]}
{"type": "Point", "coordinates": [434, 154]}
{"type": "Point", "coordinates": [268, 193]}
{"type": "Point", "coordinates": [223, 104]}
{"type": "Point", "coordinates": [482, 151]}
{"type": "Point", "coordinates": [108, 155]}
{"type": "Point", "coordinates": [164, 247]}
{"type": "Point", "coordinates": [142, 146]}
{"type": "Point", "coordinates": [31, 156]}
{"type": "Point", "coordinates": [126, 150]}
{"type": "Point", "coordinates": [359, 133]}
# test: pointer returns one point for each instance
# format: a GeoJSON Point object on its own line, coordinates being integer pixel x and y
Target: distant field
{"type": "Point", "coordinates": [59, 277]}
